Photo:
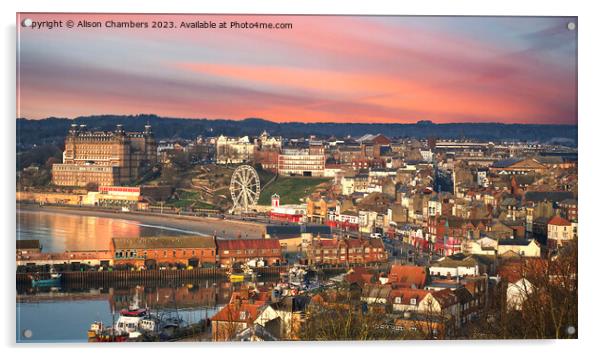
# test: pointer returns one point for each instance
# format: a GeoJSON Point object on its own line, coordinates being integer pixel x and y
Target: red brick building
{"type": "Point", "coordinates": [335, 252]}
{"type": "Point", "coordinates": [230, 252]}
{"type": "Point", "coordinates": [448, 232]}
{"type": "Point", "coordinates": [152, 252]}
{"type": "Point", "coordinates": [267, 158]}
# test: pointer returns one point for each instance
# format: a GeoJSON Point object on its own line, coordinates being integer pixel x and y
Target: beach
{"type": "Point", "coordinates": [208, 226]}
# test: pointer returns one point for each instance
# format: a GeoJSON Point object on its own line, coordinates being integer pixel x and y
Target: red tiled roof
{"type": "Point", "coordinates": [445, 297]}
{"type": "Point", "coordinates": [559, 221]}
{"type": "Point", "coordinates": [514, 271]}
{"type": "Point", "coordinates": [376, 243]}
{"type": "Point", "coordinates": [407, 276]}
{"type": "Point", "coordinates": [355, 243]}
{"type": "Point", "coordinates": [246, 244]}
{"type": "Point", "coordinates": [330, 243]}
{"type": "Point", "coordinates": [406, 294]}
{"type": "Point", "coordinates": [246, 296]}
{"type": "Point", "coordinates": [234, 313]}
{"type": "Point", "coordinates": [359, 278]}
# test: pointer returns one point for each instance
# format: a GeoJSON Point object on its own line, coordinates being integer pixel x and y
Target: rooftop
{"type": "Point", "coordinates": [163, 242]}
{"type": "Point", "coordinates": [28, 244]}
{"type": "Point", "coordinates": [248, 244]}
{"type": "Point", "coordinates": [290, 230]}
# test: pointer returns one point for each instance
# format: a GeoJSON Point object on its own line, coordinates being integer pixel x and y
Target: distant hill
{"type": "Point", "coordinates": [53, 130]}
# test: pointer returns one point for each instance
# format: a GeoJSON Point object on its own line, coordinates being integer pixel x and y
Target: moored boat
{"type": "Point", "coordinates": [54, 280]}
{"type": "Point", "coordinates": [136, 324]}
{"type": "Point", "coordinates": [236, 277]}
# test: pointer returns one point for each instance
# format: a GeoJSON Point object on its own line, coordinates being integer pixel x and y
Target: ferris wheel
{"type": "Point", "coordinates": [244, 188]}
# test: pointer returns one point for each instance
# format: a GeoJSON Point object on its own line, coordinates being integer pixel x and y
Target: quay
{"type": "Point", "coordinates": [93, 258]}
{"type": "Point", "coordinates": [147, 276]}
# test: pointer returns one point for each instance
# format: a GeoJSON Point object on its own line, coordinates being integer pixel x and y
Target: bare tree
{"type": "Point", "coordinates": [548, 304]}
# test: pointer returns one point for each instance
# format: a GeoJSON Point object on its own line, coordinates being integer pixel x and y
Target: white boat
{"type": "Point", "coordinates": [135, 323]}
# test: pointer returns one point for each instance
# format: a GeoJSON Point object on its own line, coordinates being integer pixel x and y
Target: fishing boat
{"type": "Point", "coordinates": [302, 278]}
{"type": "Point", "coordinates": [99, 333]}
{"type": "Point", "coordinates": [136, 324]}
{"type": "Point", "coordinates": [54, 280]}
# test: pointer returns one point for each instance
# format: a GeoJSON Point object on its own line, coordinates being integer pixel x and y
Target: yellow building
{"type": "Point", "coordinates": [317, 209]}
{"type": "Point", "coordinates": [104, 157]}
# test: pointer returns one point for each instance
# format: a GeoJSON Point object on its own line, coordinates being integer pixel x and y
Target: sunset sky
{"type": "Point", "coordinates": [324, 69]}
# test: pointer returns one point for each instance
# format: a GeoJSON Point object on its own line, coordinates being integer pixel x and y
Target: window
{"type": "Point", "coordinates": [398, 300]}
{"type": "Point", "coordinates": [413, 301]}
{"type": "Point", "coordinates": [226, 252]}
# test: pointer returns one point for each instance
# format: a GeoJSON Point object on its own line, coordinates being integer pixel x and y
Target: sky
{"type": "Point", "coordinates": [324, 69]}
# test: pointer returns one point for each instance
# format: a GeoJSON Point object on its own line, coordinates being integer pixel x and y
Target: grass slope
{"type": "Point", "coordinates": [290, 189]}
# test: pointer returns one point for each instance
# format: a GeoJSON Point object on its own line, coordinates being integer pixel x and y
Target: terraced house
{"type": "Point", "coordinates": [346, 251]}
{"type": "Point", "coordinates": [230, 252]}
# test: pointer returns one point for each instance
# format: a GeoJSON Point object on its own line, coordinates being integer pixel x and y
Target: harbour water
{"type": "Point", "coordinates": [60, 231]}
{"type": "Point", "coordinates": [64, 314]}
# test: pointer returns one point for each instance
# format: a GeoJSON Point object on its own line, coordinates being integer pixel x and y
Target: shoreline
{"type": "Point", "coordinates": [199, 225]}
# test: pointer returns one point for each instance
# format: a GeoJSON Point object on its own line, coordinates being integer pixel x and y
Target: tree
{"type": "Point", "coordinates": [549, 306]}
{"type": "Point", "coordinates": [342, 318]}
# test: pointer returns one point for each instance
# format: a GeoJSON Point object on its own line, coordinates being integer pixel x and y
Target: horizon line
{"type": "Point", "coordinates": [424, 121]}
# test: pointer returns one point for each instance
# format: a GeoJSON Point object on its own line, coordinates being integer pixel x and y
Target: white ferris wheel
{"type": "Point", "coordinates": [244, 188]}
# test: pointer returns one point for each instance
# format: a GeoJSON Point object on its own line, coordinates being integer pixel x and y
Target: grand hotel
{"type": "Point", "coordinates": [105, 158]}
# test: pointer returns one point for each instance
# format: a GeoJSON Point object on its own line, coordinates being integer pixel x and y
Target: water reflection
{"type": "Point", "coordinates": [64, 314]}
{"type": "Point", "coordinates": [75, 308]}
{"type": "Point", "coordinates": [59, 232]}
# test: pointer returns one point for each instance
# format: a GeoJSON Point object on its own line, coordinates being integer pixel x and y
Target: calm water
{"type": "Point", "coordinates": [59, 232]}
{"type": "Point", "coordinates": [64, 315]}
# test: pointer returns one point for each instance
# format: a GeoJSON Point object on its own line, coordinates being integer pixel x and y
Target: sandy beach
{"type": "Point", "coordinates": [201, 225]}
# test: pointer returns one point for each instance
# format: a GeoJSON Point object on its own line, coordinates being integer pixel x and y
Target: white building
{"type": "Point", "coordinates": [308, 162]}
{"type": "Point", "coordinates": [517, 292]}
{"type": "Point", "coordinates": [427, 155]}
{"type": "Point", "coordinates": [234, 150]}
{"type": "Point", "coordinates": [347, 185]}
{"type": "Point", "coordinates": [560, 231]}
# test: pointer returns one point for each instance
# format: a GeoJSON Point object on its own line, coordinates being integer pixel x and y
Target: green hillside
{"type": "Point", "coordinates": [290, 189]}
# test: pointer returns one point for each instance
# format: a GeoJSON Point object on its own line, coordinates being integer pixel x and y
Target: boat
{"type": "Point", "coordinates": [236, 277]}
{"type": "Point", "coordinates": [99, 333]}
{"type": "Point", "coordinates": [302, 278]}
{"type": "Point", "coordinates": [239, 276]}
{"type": "Point", "coordinates": [54, 280]}
{"type": "Point", "coordinates": [136, 324]}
